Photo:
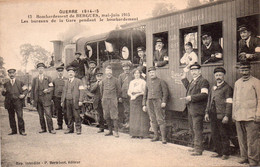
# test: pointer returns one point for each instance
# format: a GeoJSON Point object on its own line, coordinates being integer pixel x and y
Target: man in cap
{"type": "Point", "coordinates": [160, 55]}
{"type": "Point", "coordinates": [14, 92]}
{"type": "Point", "coordinates": [211, 50]}
{"type": "Point", "coordinates": [155, 99]}
{"type": "Point", "coordinates": [124, 80]}
{"type": "Point", "coordinates": [248, 46]}
{"type": "Point", "coordinates": [97, 104]}
{"type": "Point", "coordinates": [72, 97]}
{"type": "Point", "coordinates": [41, 95]}
{"type": "Point", "coordinates": [110, 93]}
{"type": "Point", "coordinates": [58, 84]}
{"type": "Point", "coordinates": [246, 114]}
{"type": "Point", "coordinates": [90, 76]}
{"type": "Point", "coordinates": [196, 102]}
{"type": "Point", "coordinates": [142, 60]}
{"type": "Point", "coordinates": [79, 64]}
{"type": "Point", "coordinates": [218, 111]}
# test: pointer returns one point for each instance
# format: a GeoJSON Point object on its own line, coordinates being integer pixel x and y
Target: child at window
{"type": "Point", "coordinates": [189, 57]}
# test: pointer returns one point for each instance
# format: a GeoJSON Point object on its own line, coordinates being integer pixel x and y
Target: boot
{"type": "Point", "coordinates": [156, 136]}
{"type": "Point", "coordinates": [109, 124]}
{"type": "Point", "coordinates": [163, 132]}
{"type": "Point", "coordinates": [116, 127]}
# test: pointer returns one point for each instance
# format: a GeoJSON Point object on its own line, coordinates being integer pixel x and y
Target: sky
{"type": "Point", "coordinates": [13, 33]}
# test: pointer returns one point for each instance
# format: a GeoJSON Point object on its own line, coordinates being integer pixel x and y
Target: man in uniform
{"type": "Point", "coordinates": [58, 85]}
{"type": "Point", "coordinates": [79, 64]}
{"type": "Point", "coordinates": [155, 99]}
{"type": "Point", "coordinates": [124, 80]}
{"type": "Point", "coordinates": [110, 92]}
{"type": "Point", "coordinates": [72, 96]}
{"type": "Point", "coordinates": [246, 114]}
{"type": "Point", "coordinates": [160, 55]}
{"type": "Point", "coordinates": [211, 50]}
{"type": "Point", "coordinates": [248, 46]}
{"type": "Point", "coordinates": [90, 77]}
{"type": "Point", "coordinates": [196, 102]}
{"type": "Point", "coordinates": [218, 111]}
{"type": "Point", "coordinates": [97, 104]}
{"type": "Point", "coordinates": [142, 60]}
{"type": "Point", "coordinates": [41, 95]}
{"type": "Point", "coordinates": [14, 92]}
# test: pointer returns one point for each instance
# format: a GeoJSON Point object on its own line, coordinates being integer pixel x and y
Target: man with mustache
{"type": "Point", "coordinates": [246, 113]}
{"type": "Point", "coordinates": [218, 111]}
{"type": "Point", "coordinates": [160, 54]}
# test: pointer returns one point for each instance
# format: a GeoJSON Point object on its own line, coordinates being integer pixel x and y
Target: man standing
{"type": "Point", "coordinates": [41, 95]}
{"type": "Point", "coordinates": [79, 64]}
{"type": "Point", "coordinates": [124, 80]}
{"type": "Point", "coordinates": [58, 85]}
{"type": "Point", "coordinates": [246, 113]}
{"type": "Point", "coordinates": [14, 92]}
{"type": "Point", "coordinates": [72, 96]}
{"type": "Point", "coordinates": [218, 111]}
{"type": "Point", "coordinates": [196, 102]}
{"type": "Point", "coordinates": [160, 55]}
{"type": "Point", "coordinates": [155, 99]}
{"type": "Point", "coordinates": [110, 92]}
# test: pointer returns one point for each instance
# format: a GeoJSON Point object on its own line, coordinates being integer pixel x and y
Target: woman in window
{"type": "Point", "coordinates": [189, 57]}
{"type": "Point", "coordinates": [139, 120]}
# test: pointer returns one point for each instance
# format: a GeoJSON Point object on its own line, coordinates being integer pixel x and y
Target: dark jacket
{"type": "Point", "coordinates": [124, 81]}
{"type": "Point", "coordinates": [58, 84]}
{"type": "Point", "coordinates": [110, 88]}
{"type": "Point", "coordinates": [253, 43]}
{"type": "Point", "coordinates": [22, 89]}
{"type": "Point", "coordinates": [220, 100]}
{"type": "Point", "coordinates": [198, 102]}
{"type": "Point", "coordinates": [79, 64]}
{"type": "Point", "coordinates": [95, 89]}
{"type": "Point", "coordinates": [207, 52]}
{"type": "Point", "coordinates": [161, 58]}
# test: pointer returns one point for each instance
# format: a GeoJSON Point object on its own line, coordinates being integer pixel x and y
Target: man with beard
{"type": "Point", "coordinates": [246, 113]}
{"type": "Point", "coordinates": [196, 102]}
{"type": "Point", "coordinates": [79, 64]}
{"type": "Point", "coordinates": [218, 111]}
{"type": "Point", "coordinates": [160, 55]}
{"type": "Point", "coordinates": [14, 92]}
{"type": "Point", "coordinates": [248, 44]}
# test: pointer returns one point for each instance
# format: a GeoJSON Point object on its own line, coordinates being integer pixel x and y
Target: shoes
{"type": "Point", "coordinates": [196, 153]}
{"type": "Point", "coordinates": [191, 150]}
{"type": "Point", "coordinates": [116, 134]}
{"type": "Point", "coordinates": [224, 157]}
{"type": "Point", "coordinates": [78, 133]}
{"type": "Point", "coordinates": [43, 131]}
{"type": "Point", "coordinates": [164, 142]}
{"type": "Point", "coordinates": [12, 133]}
{"type": "Point", "coordinates": [156, 138]}
{"type": "Point", "coordinates": [100, 131]}
{"type": "Point", "coordinates": [68, 132]}
{"type": "Point", "coordinates": [52, 132]}
{"type": "Point", "coordinates": [216, 156]}
{"type": "Point", "coordinates": [23, 133]}
{"type": "Point", "coordinates": [59, 128]}
{"type": "Point", "coordinates": [109, 134]}
{"type": "Point", "coordinates": [242, 161]}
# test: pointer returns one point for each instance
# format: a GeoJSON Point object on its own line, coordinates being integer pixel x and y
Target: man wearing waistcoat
{"type": "Point", "coordinates": [196, 102]}
{"type": "Point", "coordinates": [218, 112]}
{"type": "Point", "coordinates": [58, 84]}
{"type": "Point", "coordinates": [41, 95]}
{"type": "Point", "coordinates": [72, 96]}
{"type": "Point", "coordinates": [14, 92]}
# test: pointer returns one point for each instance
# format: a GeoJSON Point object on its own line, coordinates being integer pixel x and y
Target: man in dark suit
{"type": "Point", "coordinates": [196, 102]}
{"type": "Point", "coordinates": [41, 95]}
{"type": "Point", "coordinates": [160, 55]}
{"type": "Point", "coordinates": [79, 64]}
{"type": "Point", "coordinates": [14, 92]}
{"type": "Point", "coordinates": [248, 46]}
{"type": "Point", "coordinates": [142, 61]}
{"type": "Point", "coordinates": [72, 96]}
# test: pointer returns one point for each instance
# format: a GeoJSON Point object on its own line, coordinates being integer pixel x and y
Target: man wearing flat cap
{"type": "Point", "coordinates": [15, 92]}
{"type": "Point", "coordinates": [90, 76]}
{"type": "Point", "coordinates": [124, 81]}
{"type": "Point", "coordinates": [58, 84]}
{"type": "Point", "coordinates": [211, 50]}
{"type": "Point", "coordinates": [72, 97]}
{"type": "Point", "coordinates": [79, 64]}
{"type": "Point", "coordinates": [218, 112]}
{"type": "Point", "coordinates": [41, 95]}
{"type": "Point", "coordinates": [248, 46]}
{"type": "Point", "coordinates": [155, 100]}
{"type": "Point", "coordinates": [196, 102]}
{"type": "Point", "coordinates": [246, 114]}
{"type": "Point", "coordinates": [160, 55]}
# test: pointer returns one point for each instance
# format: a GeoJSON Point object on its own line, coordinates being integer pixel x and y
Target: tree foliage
{"type": "Point", "coordinates": [163, 8]}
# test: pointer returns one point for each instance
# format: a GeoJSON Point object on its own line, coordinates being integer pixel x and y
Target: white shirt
{"type": "Point", "coordinates": [136, 86]}
{"type": "Point", "coordinates": [12, 81]}
{"type": "Point", "coordinates": [189, 58]}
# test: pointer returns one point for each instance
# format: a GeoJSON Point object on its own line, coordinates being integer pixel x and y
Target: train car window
{"type": "Point", "coordinates": [91, 51]}
{"type": "Point", "coordinates": [105, 51]}
{"type": "Point", "coordinates": [248, 38]}
{"type": "Point", "coordinates": [188, 47]}
{"type": "Point", "coordinates": [212, 43]}
{"type": "Point", "coordinates": [160, 49]}
{"type": "Point", "coordinates": [139, 43]}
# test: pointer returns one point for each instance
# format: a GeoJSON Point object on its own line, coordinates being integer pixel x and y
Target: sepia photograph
{"type": "Point", "coordinates": [120, 83]}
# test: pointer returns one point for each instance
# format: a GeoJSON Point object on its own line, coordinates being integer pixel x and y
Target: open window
{"type": "Point", "coordinates": [248, 38]}
{"type": "Point", "coordinates": [160, 49]}
{"type": "Point", "coordinates": [188, 46]}
{"type": "Point", "coordinates": [212, 43]}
